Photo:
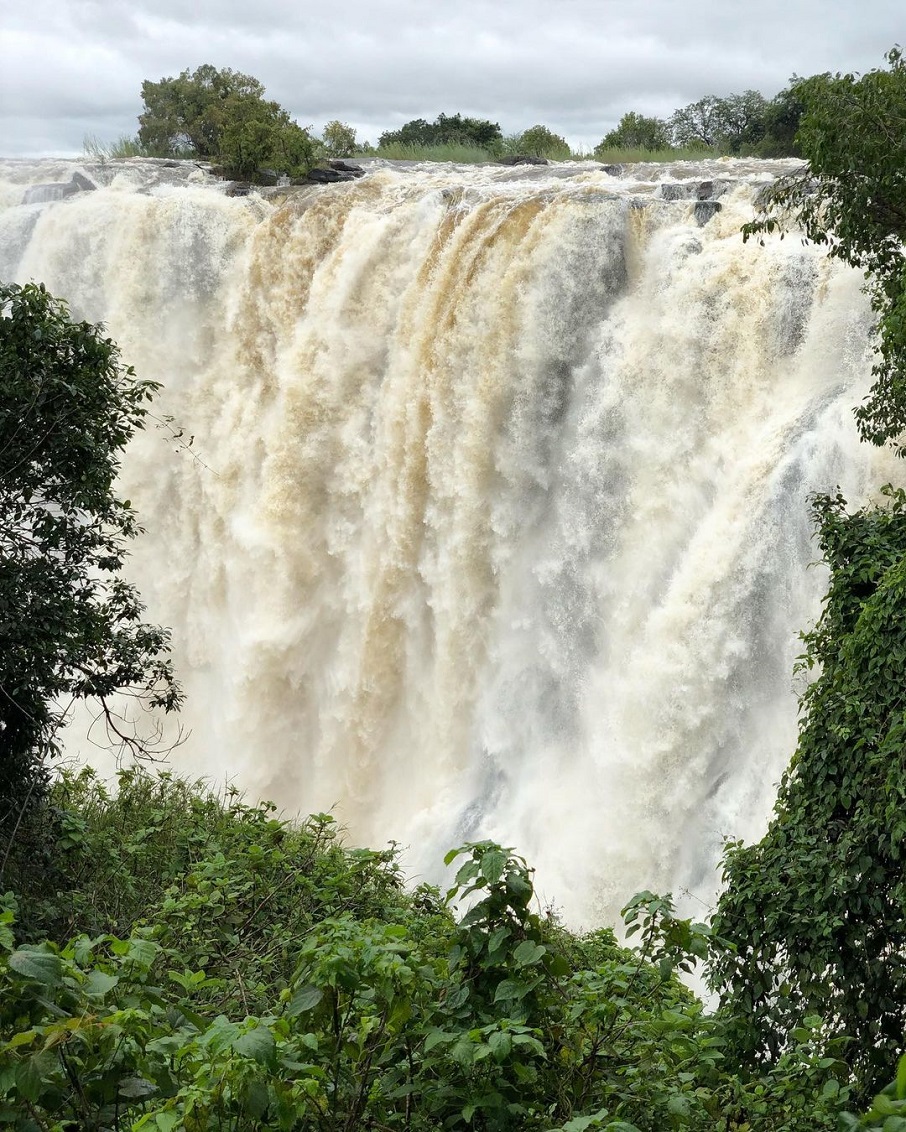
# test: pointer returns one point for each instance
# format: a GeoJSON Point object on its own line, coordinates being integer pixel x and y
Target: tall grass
{"type": "Point", "coordinates": [93, 147]}
{"type": "Point", "coordinates": [455, 152]}
{"type": "Point", "coordinates": [632, 156]}
{"type": "Point", "coordinates": [125, 146]}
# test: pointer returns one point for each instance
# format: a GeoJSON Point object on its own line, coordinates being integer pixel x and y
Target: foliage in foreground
{"type": "Point", "coordinates": [852, 199]}
{"type": "Point", "coordinates": [815, 909]}
{"type": "Point", "coordinates": [71, 628]}
{"type": "Point", "coordinates": [229, 971]}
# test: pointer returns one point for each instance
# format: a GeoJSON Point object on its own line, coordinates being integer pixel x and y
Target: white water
{"type": "Point", "coordinates": [494, 523]}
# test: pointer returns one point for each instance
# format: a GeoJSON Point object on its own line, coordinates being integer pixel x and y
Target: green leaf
{"type": "Point", "coordinates": [511, 989]}
{"type": "Point", "coordinates": [304, 999]}
{"type": "Point", "coordinates": [258, 1044]}
{"type": "Point", "coordinates": [40, 965]}
{"type": "Point", "coordinates": [99, 983]}
{"type": "Point", "coordinates": [901, 1078]}
{"type": "Point", "coordinates": [493, 863]}
{"type": "Point", "coordinates": [437, 1037]}
{"type": "Point", "coordinates": [527, 954]}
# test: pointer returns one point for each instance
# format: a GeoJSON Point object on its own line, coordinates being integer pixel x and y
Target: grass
{"type": "Point", "coordinates": [124, 146]}
{"type": "Point", "coordinates": [460, 154]}
{"type": "Point", "coordinates": [631, 156]}
{"type": "Point", "coordinates": [470, 155]}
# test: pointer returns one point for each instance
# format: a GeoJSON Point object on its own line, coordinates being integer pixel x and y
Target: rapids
{"type": "Point", "coordinates": [476, 497]}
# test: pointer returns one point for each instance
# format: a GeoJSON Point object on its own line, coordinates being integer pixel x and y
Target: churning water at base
{"type": "Point", "coordinates": [495, 522]}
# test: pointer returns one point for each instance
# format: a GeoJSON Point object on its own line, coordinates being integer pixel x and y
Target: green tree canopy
{"type": "Point", "coordinates": [851, 197]}
{"type": "Point", "coordinates": [729, 123]}
{"type": "Point", "coordinates": [636, 131]}
{"type": "Point", "coordinates": [446, 129]}
{"type": "Point", "coordinates": [781, 124]}
{"type": "Point", "coordinates": [339, 139]}
{"type": "Point", "coordinates": [222, 115]}
{"type": "Point", "coordinates": [814, 911]}
{"type": "Point", "coordinates": [70, 627]}
{"type": "Point", "coordinates": [539, 141]}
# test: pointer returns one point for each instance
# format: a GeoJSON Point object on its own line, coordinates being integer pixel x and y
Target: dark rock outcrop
{"type": "Point", "coordinates": [704, 210]}
{"type": "Point", "coordinates": [693, 190]}
{"type": "Point", "coordinates": [58, 190]}
{"type": "Point", "coordinates": [711, 190]}
{"type": "Point", "coordinates": [336, 172]}
{"type": "Point", "coordinates": [342, 166]}
{"type": "Point", "coordinates": [613, 170]}
{"type": "Point", "coordinates": [522, 159]}
{"type": "Point", "coordinates": [679, 190]}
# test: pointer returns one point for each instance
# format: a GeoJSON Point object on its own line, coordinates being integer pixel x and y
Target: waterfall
{"type": "Point", "coordinates": [476, 497]}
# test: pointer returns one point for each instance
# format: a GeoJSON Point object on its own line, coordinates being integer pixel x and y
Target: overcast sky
{"type": "Point", "coordinates": [71, 68]}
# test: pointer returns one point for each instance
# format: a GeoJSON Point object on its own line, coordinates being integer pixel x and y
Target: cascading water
{"type": "Point", "coordinates": [494, 522]}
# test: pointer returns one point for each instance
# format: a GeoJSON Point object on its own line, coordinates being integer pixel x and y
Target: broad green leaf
{"type": "Point", "coordinates": [305, 998]}
{"type": "Point", "coordinates": [99, 983]}
{"type": "Point", "coordinates": [42, 966]}
{"type": "Point", "coordinates": [258, 1044]}
{"type": "Point", "coordinates": [493, 864]}
{"type": "Point", "coordinates": [436, 1037]}
{"type": "Point", "coordinates": [901, 1078]}
{"type": "Point", "coordinates": [527, 954]}
{"type": "Point", "coordinates": [511, 989]}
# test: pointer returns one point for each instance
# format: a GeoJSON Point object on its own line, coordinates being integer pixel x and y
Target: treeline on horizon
{"type": "Point", "coordinates": [223, 116]}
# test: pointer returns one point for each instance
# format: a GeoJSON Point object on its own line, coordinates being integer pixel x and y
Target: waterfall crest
{"type": "Point", "coordinates": [494, 518]}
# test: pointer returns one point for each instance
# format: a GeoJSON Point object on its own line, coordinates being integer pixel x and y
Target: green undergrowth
{"type": "Point", "coordinates": [194, 962]}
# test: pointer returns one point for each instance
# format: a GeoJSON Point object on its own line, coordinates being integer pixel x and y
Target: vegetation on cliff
{"type": "Point", "coordinates": [222, 116]}
{"type": "Point", "coordinates": [70, 626]}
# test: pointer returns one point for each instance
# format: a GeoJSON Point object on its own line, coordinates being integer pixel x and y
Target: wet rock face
{"type": "Point", "coordinates": [342, 166]}
{"type": "Point", "coordinates": [58, 190]}
{"type": "Point", "coordinates": [711, 190]}
{"type": "Point", "coordinates": [704, 210]}
{"type": "Point", "coordinates": [522, 159]}
{"type": "Point", "coordinates": [678, 190]}
{"type": "Point", "coordinates": [693, 190]}
{"type": "Point", "coordinates": [336, 172]}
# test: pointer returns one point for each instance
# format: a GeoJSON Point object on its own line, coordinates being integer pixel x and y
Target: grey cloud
{"type": "Point", "coordinates": [76, 66]}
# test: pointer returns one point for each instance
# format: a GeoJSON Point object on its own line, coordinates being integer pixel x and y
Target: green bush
{"type": "Point", "coordinates": [272, 978]}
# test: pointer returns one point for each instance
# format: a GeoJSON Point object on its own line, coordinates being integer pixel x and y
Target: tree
{"type": "Point", "coordinates": [729, 123]}
{"type": "Point", "coordinates": [636, 131]}
{"type": "Point", "coordinates": [446, 129]}
{"type": "Point", "coordinates": [261, 135]}
{"type": "Point", "coordinates": [339, 139]}
{"type": "Point", "coordinates": [781, 124]}
{"type": "Point", "coordinates": [222, 115]}
{"type": "Point", "coordinates": [813, 913]}
{"type": "Point", "coordinates": [187, 114]}
{"type": "Point", "coordinates": [539, 141]}
{"type": "Point", "coordinates": [851, 197]}
{"type": "Point", "coordinates": [70, 626]}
